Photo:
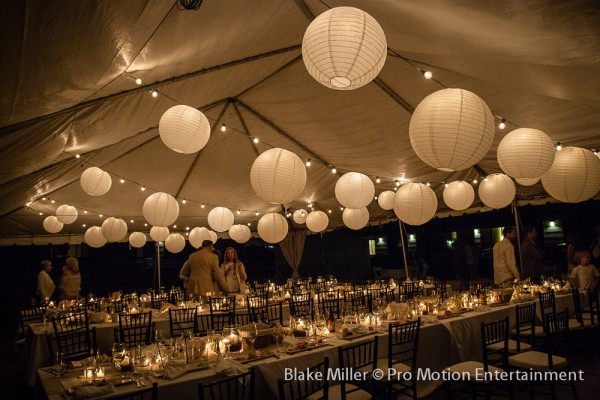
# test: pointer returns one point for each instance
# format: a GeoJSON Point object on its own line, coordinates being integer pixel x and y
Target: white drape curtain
{"type": "Point", "coordinates": [292, 248]}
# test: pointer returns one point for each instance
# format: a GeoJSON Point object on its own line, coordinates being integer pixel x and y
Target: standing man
{"type": "Point", "coordinates": [505, 264]}
{"type": "Point", "coordinates": [531, 256]}
{"type": "Point", "coordinates": [45, 284]}
{"type": "Point", "coordinates": [203, 272]}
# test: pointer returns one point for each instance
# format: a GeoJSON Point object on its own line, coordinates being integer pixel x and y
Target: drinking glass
{"type": "Point", "coordinates": [252, 335]}
{"type": "Point", "coordinates": [59, 363]}
{"type": "Point", "coordinates": [159, 337]}
{"type": "Point", "coordinates": [118, 354]}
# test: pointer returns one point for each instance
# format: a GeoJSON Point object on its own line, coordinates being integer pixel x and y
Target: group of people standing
{"type": "Point", "coordinates": [69, 285]}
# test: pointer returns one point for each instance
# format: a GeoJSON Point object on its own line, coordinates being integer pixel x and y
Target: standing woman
{"type": "Point", "coordinates": [235, 273]}
{"type": "Point", "coordinates": [70, 282]}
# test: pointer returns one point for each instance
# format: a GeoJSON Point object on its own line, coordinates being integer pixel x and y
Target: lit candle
{"type": "Point", "coordinates": [100, 373]}
{"type": "Point", "coordinates": [88, 373]}
{"type": "Point", "coordinates": [287, 295]}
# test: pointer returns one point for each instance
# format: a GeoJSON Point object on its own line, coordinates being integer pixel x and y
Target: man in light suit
{"type": "Point", "coordinates": [203, 272]}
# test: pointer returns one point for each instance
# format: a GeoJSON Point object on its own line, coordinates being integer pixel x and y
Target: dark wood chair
{"type": "Point", "coordinates": [73, 336]}
{"type": "Point", "coordinates": [141, 394]}
{"type": "Point", "coordinates": [361, 357]}
{"type": "Point", "coordinates": [308, 388]}
{"type": "Point", "coordinates": [237, 387]}
{"type": "Point", "coordinates": [222, 311]}
{"type": "Point", "coordinates": [329, 302]}
{"type": "Point", "coordinates": [29, 316]}
{"type": "Point", "coordinates": [135, 329]}
{"type": "Point", "coordinates": [158, 300]}
{"type": "Point", "coordinates": [526, 331]}
{"type": "Point", "coordinates": [301, 305]}
{"type": "Point", "coordinates": [176, 295]}
{"type": "Point", "coordinates": [183, 320]}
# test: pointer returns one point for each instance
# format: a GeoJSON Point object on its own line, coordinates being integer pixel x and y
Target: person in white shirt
{"type": "Point", "coordinates": [505, 264]}
{"type": "Point", "coordinates": [45, 284]}
{"type": "Point", "coordinates": [585, 275]}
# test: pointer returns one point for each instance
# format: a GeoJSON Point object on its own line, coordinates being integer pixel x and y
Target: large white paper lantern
{"type": "Point", "coordinates": [459, 195]}
{"type": "Point", "coordinates": [94, 237]}
{"type": "Point", "coordinates": [527, 181]}
{"type": "Point", "coordinates": [184, 129]}
{"type": "Point", "coordinates": [451, 129]}
{"type": "Point", "coordinates": [95, 181]}
{"type": "Point", "coordinates": [526, 153]}
{"type": "Point", "coordinates": [114, 229]}
{"type": "Point", "coordinates": [299, 216]}
{"type": "Point", "coordinates": [386, 200]}
{"type": "Point", "coordinates": [66, 214]}
{"type": "Point", "coordinates": [355, 219]}
{"type": "Point", "coordinates": [354, 190]}
{"type": "Point", "coordinates": [137, 239]}
{"type": "Point", "coordinates": [198, 235]}
{"type": "Point", "coordinates": [213, 236]}
{"type": "Point", "coordinates": [317, 221]}
{"type": "Point", "coordinates": [415, 203]}
{"type": "Point", "coordinates": [272, 227]}
{"type": "Point", "coordinates": [344, 48]}
{"type": "Point", "coordinates": [240, 233]}
{"type": "Point", "coordinates": [52, 224]}
{"type": "Point", "coordinates": [497, 190]}
{"type": "Point", "coordinates": [175, 242]}
{"type": "Point", "coordinates": [574, 175]}
{"type": "Point", "coordinates": [159, 233]}
{"type": "Point", "coordinates": [278, 176]}
{"type": "Point", "coordinates": [220, 219]}
{"type": "Point", "coordinates": [161, 209]}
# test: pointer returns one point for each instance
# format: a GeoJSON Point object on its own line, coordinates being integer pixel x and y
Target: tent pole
{"type": "Point", "coordinates": [403, 249]}
{"type": "Point", "coordinates": [517, 227]}
{"type": "Point", "coordinates": [158, 262]}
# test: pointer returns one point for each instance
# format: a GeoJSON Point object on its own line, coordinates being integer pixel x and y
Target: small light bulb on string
{"type": "Point", "coordinates": [143, 188]}
{"type": "Point", "coordinates": [308, 163]}
{"type": "Point", "coordinates": [446, 185]}
{"type": "Point", "coordinates": [558, 146]}
{"type": "Point", "coordinates": [329, 211]}
{"type": "Point", "coordinates": [83, 225]}
{"type": "Point", "coordinates": [485, 179]}
{"type": "Point", "coordinates": [131, 221]}
{"type": "Point", "coordinates": [427, 74]}
{"type": "Point", "coordinates": [183, 201]}
{"type": "Point", "coordinates": [174, 226]}
{"type": "Point", "coordinates": [122, 180]}
{"type": "Point", "coordinates": [52, 201]}
{"type": "Point", "coordinates": [145, 224]}
{"type": "Point", "coordinates": [138, 81]}
{"type": "Point", "coordinates": [256, 213]}
{"type": "Point", "coordinates": [596, 152]}
{"type": "Point", "coordinates": [100, 215]}
{"type": "Point", "coordinates": [397, 182]}
{"type": "Point", "coordinates": [341, 208]}
{"type": "Point", "coordinates": [375, 198]}
{"type": "Point", "coordinates": [45, 198]}
{"type": "Point", "coordinates": [238, 212]}
{"type": "Point", "coordinates": [187, 228]}
{"type": "Point", "coordinates": [41, 213]}
{"type": "Point", "coordinates": [377, 179]}
{"type": "Point", "coordinates": [85, 211]}
{"type": "Point", "coordinates": [396, 188]}
{"type": "Point", "coordinates": [333, 170]}
{"type": "Point", "coordinates": [428, 184]}
{"type": "Point", "coordinates": [249, 223]}
{"type": "Point", "coordinates": [255, 140]}
{"type": "Point", "coordinates": [223, 128]}
{"type": "Point", "coordinates": [77, 155]}
{"type": "Point", "coordinates": [502, 123]}
{"type": "Point", "coordinates": [475, 181]}
{"type": "Point", "coordinates": [202, 206]}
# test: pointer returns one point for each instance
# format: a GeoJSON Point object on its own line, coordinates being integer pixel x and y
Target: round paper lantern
{"type": "Point", "coordinates": [497, 191]}
{"type": "Point", "coordinates": [527, 181]}
{"type": "Point", "coordinates": [175, 242]}
{"type": "Point", "coordinates": [355, 219]}
{"type": "Point", "coordinates": [459, 195]}
{"type": "Point", "coordinates": [317, 221]}
{"type": "Point", "coordinates": [272, 227]}
{"type": "Point", "coordinates": [114, 229]}
{"type": "Point", "coordinates": [137, 239]}
{"type": "Point", "coordinates": [95, 181]}
{"type": "Point", "coordinates": [213, 236]}
{"type": "Point", "coordinates": [184, 129]}
{"type": "Point", "coordinates": [415, 203]}
{"type": "Point", "coordinates": [526, 153]}
{"type": "Point", "coordinates": [66, 214]}
{"type": "Point", "coordinates": [574, 175]}
{"type": "Point", "coordinates": [299, 216]}
{"type": "Point", "coordinates": [278, 176]}
{"type": "Point", "coordinates": [386, 200]}
{"type": "Point", "coordinates": [220, 219]}
{"type": "Point", "coordinates": [451, 129]}
{"type": "Point", "coordinates": [159, 233]}
{"type": "Point", "coordinates": [354, 190]}
{"type": "Point", "coordinates": [198, 235]}
{"type": "Point", "coordinates": [94, 237]}
{"type": "Point", "coordinates": [52, 224]}
{"type": "Point", "coordinates": [344, 48]}
{"type": "Point", "coordinates": [161, 209]}
{"type": "Point", "coordinates": [240, 233]}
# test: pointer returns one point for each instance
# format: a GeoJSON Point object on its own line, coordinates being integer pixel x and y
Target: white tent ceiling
{"type": "Point", "coordinates": [68, 88]}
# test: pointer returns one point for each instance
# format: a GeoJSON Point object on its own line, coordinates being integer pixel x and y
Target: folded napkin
{"type": "Point", "coordinates": [231, 367]}
{"type": "Point", "coordinates": [354, 328]}
{"type": "Point", "coordinates": [87, 392]}
{"type": "Point", "coordinates": [174, 371]}
{"type": "Point", "coordinates": [97, 316]}
{"type": "Point", "coordinates": [290, 341]}
{"type": "Point", "coordinates": [430, 319]}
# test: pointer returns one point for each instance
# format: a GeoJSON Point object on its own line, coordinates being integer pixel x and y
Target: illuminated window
{"type": "Point", "coordinates": [371, 247]}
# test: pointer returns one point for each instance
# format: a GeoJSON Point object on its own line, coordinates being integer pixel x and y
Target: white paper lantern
{"type": "Point", "coordinates": [175, 242]}
{"type": "Point", "coordinates": [198, 235]}
{"type": "Point", "coordinates": [114, 229]}
{"type": "Point", "coordinates": [526, 153]}
{"type": "Point", "coordinates": [451, 129]}
{"type": "Point", "coordinates": [52, 224]}
{"type": "Point", "coordinates": [299, 216]}
{"type": "Point", "coordinates": [344, 48]}
{"type": "Point", "coordinates": [355, 219]}
{"type": "Point", "coordinates": [94, 237]}
{"type": "Point", "coordinates": [278, 176]}
{"type": "Point", "coordinates": [220, 219]}
{"type": "Point", "coordinates": [272, 227]}
{"type": "Point", "coordinates": [317, 221]}
{"type": "Point", "coordinates": [66, 214]}
{"type": "Point", "coordinates": [527, 181]}
{"type": "Point", "coordinates": [415, 203]}
{"type": "Point", "coordinates": [213, 236]}
{"type": "Point", "coordinates": [240, 233]}
{"type": "Point", "coordinates": [161, 209]}
{"type": "Point", "coordinates": [386, 200]}
{"type": "Point", "coordinates": [497, 190]}
{"type": "Point", "coordinates": [459, 195]}
{"type": "Point", "coordinates": [95, 181]}
{"type": "Point", "coordinates": [574, 175]}
{"type": "Point", "coordinates": [159, 233]}
{"type": "Point", "coordinates": [354, 190]}
{"type": "Point", "coordinates": [184, 129]}
{"type": "Point", "coordinates": [137, 239]}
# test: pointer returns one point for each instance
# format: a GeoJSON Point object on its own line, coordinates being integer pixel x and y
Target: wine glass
{"type": "Point", "coordinates": [59, 363]}
{"type": "Point", "coordinates": [230, 338]}
{"type": "Point", "coordinates": [252, 335]}
{"type": "Point", "coordinates": [320, 323]}
{"type": "Point", "coordinates": [159, 337]}
{"type": "Point", "coordinates": [118, 354]}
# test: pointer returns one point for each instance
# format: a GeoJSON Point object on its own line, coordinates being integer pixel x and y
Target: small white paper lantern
{"type": "Point", "coordinates": [272, 227]}
{"type": "Point", "coordinates": [114, 229]}
{"type": "Point", "coordinates": [240, 233]}
{"type": "Point", "coordinates": [198, 235]}
{"type": "Point", "coordinates": [137, 239]}
{"type": "Point", "coordinates": [213, 236]}
{"type": "Point", "coordinates": [161, 209]}
{"type": "Point", "coordinates": [52, 224]}
{"type": "Point", "coordinates": [497, 190]}
{"type": "Point", "coordinates": [459, 195]}
{"type": "Point", "coordinates": [159, 233]}
{"type": "Point", "coordinates": [355, 219]}
{"type": "Point", "coordinates": [95, 181]}
{"type": "Point", "coordinates": [94, 237]}
{"type": "Point", "coordinates": [220, 219]}
{"type": "Point", "coordinates": [317, 221]}
{"type": "Point", "coordinates": [574, 175]}
{"type": "Point", "coordinates": [66, 214]}
{"type": "Point", "coordinates": [299, 216]}
{"type": "Point", "coordinates": [184, 129]}
{"type": "Point", "coordinates": [344, 48]}
{"type": "Point", "coordinates": [415, 203]}
{"type": "Point", "coordinates": [354, 190]}
{"type": "Point", "coordinates": [526, 153]}
{"type": "Point", "coordinates": [278, 176]}
{"type": "Point", "coordinates": [451, 129]}
{"type": "Point", "coordinates": [175, 242]}
{"type": "Point", "coordinates": [386, 200]}
{"type": "Point", "coordinates": [527, 181]}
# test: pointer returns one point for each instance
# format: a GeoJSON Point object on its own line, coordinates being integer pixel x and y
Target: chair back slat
{"type": "Point", "coordinates": [492, 333]}
{"type": "Point", "coordinates": [136, 329]}
{"type": "Point", "coordinates": [403, 340]}
{"type": "Point", "coordinates": [305, 388]}
{"type": "Point", "coordinates": [183, 320]}
{"type": "Point", "coordinates": [73, 336]}
{"type": "Point", "coordinates": [237, 387]}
